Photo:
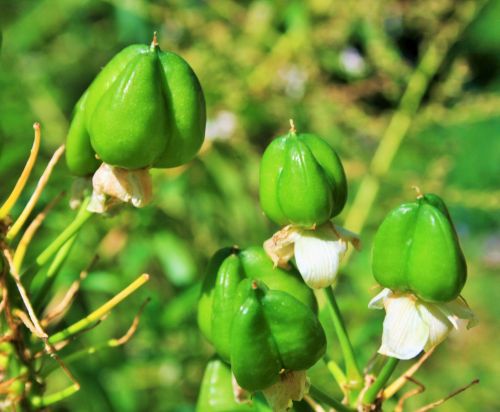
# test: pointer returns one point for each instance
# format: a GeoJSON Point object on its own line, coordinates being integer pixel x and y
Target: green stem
{"type": "Point", "coordinates": [46, 400]}
{"type": "Point", "coordinates": [98, 313]}
{"type": "Point", "coordinates": [382, 378]}
{"type": "Point", "coordinates": [327, 400]}
{"type": "Point", "coordinates": [71, 230]}
{"type": "Point", "coordinates": [81, 218]}
{"type": "Point", "coordinates": [337, 373]}
{"type": "Point", "coordinates": [353, 373]}
{"type": "Point", "coordinates": [83, 353]}
{"type": "Point", "coordinates": [43, 292]}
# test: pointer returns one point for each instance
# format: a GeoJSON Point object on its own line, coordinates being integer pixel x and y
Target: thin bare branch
{"type": "Point", "coordinates": [419, 389]}
{"type": "Point", "coordinates": [24, 318]}
{"type": "Point", "coordinates": [451, 395]}
{"type": "Point", "coordinates": [42, 182]}
{"type": "Point", "coordinates": [21, 182]}
{"type": "Point", "coordinates": [37, 328]}
{"type": "Point", "coordinates": [405, 377]}
{"type": "Point", "coordinates": [65, 302]}
{"type": "Point", "coordinates": [132, 329]}
{"type": "Point", "coordinates": [30, 232]}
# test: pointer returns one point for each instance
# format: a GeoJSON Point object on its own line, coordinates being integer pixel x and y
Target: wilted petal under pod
{"type": "Point", "coordinates": [114, 185]}
{"type": "Point", "coordinates": [292, 386]}
{"type": "Point", "coordinates": [317, 251]}
{"type": "Point", "coordinates": [412, 325]}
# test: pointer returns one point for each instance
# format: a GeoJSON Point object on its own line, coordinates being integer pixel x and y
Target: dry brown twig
{"type": "Point", "coordinates": [65, 302]}
{"type": "Point", "coordinates": [37, 328]}
{"type": "Point", "coordinates": [405, 377]}
{"type": "Point", "coordinates": [451, 395]}
{"type": "Point", "coordinates": [419, 389]}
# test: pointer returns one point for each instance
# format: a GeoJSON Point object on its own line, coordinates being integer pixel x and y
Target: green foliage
{"type": "Point", "coordinates": [338, 69]}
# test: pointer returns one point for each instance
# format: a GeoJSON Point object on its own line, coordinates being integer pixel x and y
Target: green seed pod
{"type": "Point", "coordinates": [216, 392]}
{"type": "Point", "coordinates": [416, 249]}
{"type": "Point", "coordinates": [272, 331]}
{"type": "Point", "coordinates": [226, 270]}
{"type": "Point", "coordinates": [145, 109]}
{"type": "Point", "coordinates": [80, 156]}
{"type": "Point", "coordinates": [302, 180]}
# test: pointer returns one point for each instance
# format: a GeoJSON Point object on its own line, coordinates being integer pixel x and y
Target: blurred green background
{"type": "Point", "coordinates": [339, 69]}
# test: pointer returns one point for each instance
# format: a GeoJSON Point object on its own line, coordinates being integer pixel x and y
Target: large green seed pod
{"type": "Point", "coordinates": [302, 180]}
{"type": "Point", "coordinates": [218, 301]}
{"type": "Point", "coordinates": [272, 331]}
{"type": "Point", "coordinates": [416, 249]}
{"type": "Point", "coordinates": [145, 109]}
{"type": "Point", "coordinates": [80, 156]}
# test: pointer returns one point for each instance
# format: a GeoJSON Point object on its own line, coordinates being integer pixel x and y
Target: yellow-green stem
{"type": "Point", "coordinates": [100, 312]}
{"type": "Point", "coordinates": [337, 373]}
{"type": "Point", "coordinates": [21, 182]}
{"type": "Point", "coordinates": [47, 400]}
{"type": "Point", "coordinates": [81, 218]}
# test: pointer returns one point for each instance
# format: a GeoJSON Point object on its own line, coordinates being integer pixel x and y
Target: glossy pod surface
{"type": "Point", "coordinates": [416, 249]}
{"type": "Point", "coordinates": [302, 181]}
{"type": "Point", "coordinates": [272, 331]}
{"type": "Point", "coordinates": [228, 301]}
{"type": "Point", "coordinates": [145, 109]}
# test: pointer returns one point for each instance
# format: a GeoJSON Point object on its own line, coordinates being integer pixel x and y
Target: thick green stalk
{"type": "Point", "coordinates": [327, 400]}
{"type": "Point", "coordinates": [354, 377]}
{"type": "Point", "coordinates": [382, 378]}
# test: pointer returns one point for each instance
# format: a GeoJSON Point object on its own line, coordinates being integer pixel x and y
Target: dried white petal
{"type": "Point", "coordinates": [113, 184]}
{"type": "Point", "coordinates": [458, 311]}
{"type": "Point", "coordinates": [438, 325]}
{"type": "Point", "coordinates": [292, 386]}
{"type": "Point", "coordinates": [318, 254]}
{"type": "Point", "coordinates": [317, 251]}
{"type": "Point", "coordinates": [280, 246]}
{"type": "Point", "coordinates": [405, 333]}
{"type": "Point", "coordinates": [412, 325]}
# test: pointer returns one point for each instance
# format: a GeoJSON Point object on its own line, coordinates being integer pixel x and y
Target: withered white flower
{"type": "Point", "coordinates": [113, 185]}
{"type": "Point", "coordinates": [292, 386]}
{"type": "Point", "coordinates": [317, 251]}
{"type": "Point", "coordinates": [412, 325]}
